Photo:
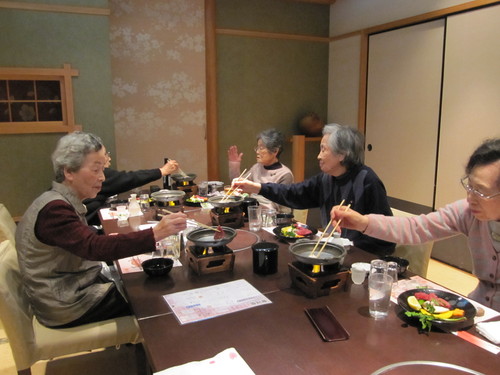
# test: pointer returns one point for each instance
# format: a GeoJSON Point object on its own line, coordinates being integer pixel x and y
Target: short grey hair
{"type": "Point", "coordinates": [71, 151]}
{"type": "Point", "coordinates": [273, 140]}
{"type": "Point", "coordinates": [346, 141]}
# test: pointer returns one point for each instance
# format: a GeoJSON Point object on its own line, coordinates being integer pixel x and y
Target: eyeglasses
{"type": "Point", "coordinates": [260, 148]}
{"type": "Point", "coordinates": [469, 189]}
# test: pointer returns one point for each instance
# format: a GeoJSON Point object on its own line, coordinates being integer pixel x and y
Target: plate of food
{"type": "Point", "coordinates": [195, 200]}
{"type": "Point", "coordinates": [437, 308]}
{"type": "Point", "coordinates": [294, 232]}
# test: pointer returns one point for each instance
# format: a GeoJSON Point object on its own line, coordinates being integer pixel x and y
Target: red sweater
{"type": "Point", "coordinates": [59, 225]}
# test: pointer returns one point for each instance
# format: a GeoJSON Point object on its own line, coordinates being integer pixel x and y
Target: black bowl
{"type": "Point", "coordinates": [402, 263]}
{"type": "Point", "coordinates": [157, 266]}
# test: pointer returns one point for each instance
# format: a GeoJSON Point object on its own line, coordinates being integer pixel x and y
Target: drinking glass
{"type": "Point", "coordinates": [380, 286]}
{"type": "Point", "coordinates": [378, 266]}
{"type": "Point", "coordinates": [254, 218]}
{"type": "Point", "coordinates": [358, 272]}
{"type": "Point", "coordinates": [392, 270]}
{"type": "Point", "coordinates": [268, 217]}
{"type": "Point", "coordinates": [144, 202]}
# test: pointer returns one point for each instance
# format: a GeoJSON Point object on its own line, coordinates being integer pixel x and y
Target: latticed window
{"type": "Point", "coordinates": [36, 100]}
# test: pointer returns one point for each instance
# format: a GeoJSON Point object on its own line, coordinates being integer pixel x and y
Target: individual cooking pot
{"type": "Point", "coordinates": [223, 201]}
{"type": "Point", "coordinates": [187, 177]}
{"type": "Point", "coordinates": [168, 198]}
{"type": "Point", "coordinates": [331, 254]}
{"type": "Point", "coordinates": [206, 237]}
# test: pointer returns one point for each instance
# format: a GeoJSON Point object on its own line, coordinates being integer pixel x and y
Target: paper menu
{"type": "Point", "coordinates": [227, 362]}
{"type": "Point", "coordinates": [205, 303]}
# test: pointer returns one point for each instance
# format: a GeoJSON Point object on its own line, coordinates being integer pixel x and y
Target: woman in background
{"type": "Point", "coordinates": [268, 167]}
{"type": "Point", "coordinates": [343, 177]}
{"type": "Point", "coordinates": [478, 217]}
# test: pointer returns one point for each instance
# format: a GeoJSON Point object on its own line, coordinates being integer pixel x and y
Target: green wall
{"type": "Point", "coordinates": [49, 40]}
{"type": "Point", "coordinates": [264, 83]}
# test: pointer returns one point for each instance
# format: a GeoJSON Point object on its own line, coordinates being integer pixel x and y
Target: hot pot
{"type": "Point", "coordinates": [332, 254]}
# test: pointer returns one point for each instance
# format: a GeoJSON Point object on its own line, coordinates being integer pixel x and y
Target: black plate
{"type": "Point", "coordinates": [454, 300]}
{"type": "Point", "coordinates": [277, 232]}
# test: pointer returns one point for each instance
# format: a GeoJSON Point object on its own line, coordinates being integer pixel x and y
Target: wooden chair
{"type": "Point", "coordinates": [31, 341]}
{"type": "Point", "coordinates": [418, 255]}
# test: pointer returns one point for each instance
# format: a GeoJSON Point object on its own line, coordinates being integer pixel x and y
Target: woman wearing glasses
{"type": "Point", "coordinates": [268, 167]}
{"type": "Point", "coordinates": [477, 216]}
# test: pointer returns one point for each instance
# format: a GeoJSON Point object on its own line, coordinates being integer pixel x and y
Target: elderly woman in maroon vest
{"type": "Point", "coordinates": [60, 256]}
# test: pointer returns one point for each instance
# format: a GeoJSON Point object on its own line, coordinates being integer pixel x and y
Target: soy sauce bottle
{"type": "Point", "coordinates": [167, 181]}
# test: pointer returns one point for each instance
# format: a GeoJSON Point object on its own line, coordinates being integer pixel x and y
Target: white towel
{"type": "Point", "coordinates": [490, 330]}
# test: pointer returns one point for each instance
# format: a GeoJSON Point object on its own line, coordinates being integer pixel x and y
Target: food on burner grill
{"type": "Point", "coordinates": [219, 235]}
{"type": "Point", "coordinates": [295, 231]}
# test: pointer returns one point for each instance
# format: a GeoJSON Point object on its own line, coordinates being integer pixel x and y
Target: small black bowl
{"type": "Point", "coordinates": [157, 266]}
{"type": "Point", "coordinates": [402, 263]}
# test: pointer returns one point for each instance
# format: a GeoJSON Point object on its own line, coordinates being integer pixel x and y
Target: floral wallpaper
{"type": "Point", "coordinates": [158, 88]}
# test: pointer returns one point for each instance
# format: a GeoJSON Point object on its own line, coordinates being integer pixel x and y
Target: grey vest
{"type": "Point", "coordinates": [60, 286]}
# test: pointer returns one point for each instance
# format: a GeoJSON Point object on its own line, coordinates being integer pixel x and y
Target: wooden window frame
{"type": "Point", "coordinates": [64, 76]}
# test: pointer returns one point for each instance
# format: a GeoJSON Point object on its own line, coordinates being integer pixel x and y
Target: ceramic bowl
{"type": "Point", "coordinates": [155, 267]}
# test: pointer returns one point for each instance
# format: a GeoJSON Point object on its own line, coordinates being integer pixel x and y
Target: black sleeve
{"type": "Point", "coordinates": [117, 182]}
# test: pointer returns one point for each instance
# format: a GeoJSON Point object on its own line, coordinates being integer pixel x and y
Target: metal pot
{"type": "Point", "coordinates": [177, 177]}
{"type": "Point", "coordinates": [205, 237]}
{"type": "Point", "coordinates": [331, 254]}
{"type": "Point", "coordinates": [231, 201]}
{"type": "Point", "coordinates": [163, 197]}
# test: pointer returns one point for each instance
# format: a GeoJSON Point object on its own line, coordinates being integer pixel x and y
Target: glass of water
{"type": "Point", "coordinates": [380, 286]}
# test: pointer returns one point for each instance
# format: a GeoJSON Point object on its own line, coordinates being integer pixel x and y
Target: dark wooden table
{"type": "Point", "coordinates": [279, 338]}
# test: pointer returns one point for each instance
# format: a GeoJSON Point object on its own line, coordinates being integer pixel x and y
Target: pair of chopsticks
{"type": "Point", "coordinates": [193, 221]}
{"type": "Point", "coordinates": [330, 235]}
{"type": "Point", "coordinates": [233, 189]}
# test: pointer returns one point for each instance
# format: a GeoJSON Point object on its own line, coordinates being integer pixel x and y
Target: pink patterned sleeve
{"type": "Point", "coordinates": [445, 222]}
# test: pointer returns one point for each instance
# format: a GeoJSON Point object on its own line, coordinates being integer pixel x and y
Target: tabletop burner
{"type": "Point", "coordinates": [317, 280]}
{"type": "Point", "coordinates": [227, 216]}
{"type": "Point", "coordinates": [205, 260]}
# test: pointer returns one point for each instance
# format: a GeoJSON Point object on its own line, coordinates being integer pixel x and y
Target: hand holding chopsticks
{"type": "Point", "coordinates": [324, 232]}
{"type": "Point", "coordinates": [193, 221]}
{"type": "Point", "coordinates": [332, 232]}
{"type": "Point", "coordinates": [233, 189]}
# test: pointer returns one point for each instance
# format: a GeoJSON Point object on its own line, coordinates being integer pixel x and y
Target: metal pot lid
{"type": "Point", "coordinates": [183, 177]}
{"type": "Point", "coordinates": [205, 237]}
{"type": "Point", "coordinates": [168, 195]}
{"type": "Point", "coordinates": [331, 254]}
{"type": "Point", "coordinates": [231, 201]}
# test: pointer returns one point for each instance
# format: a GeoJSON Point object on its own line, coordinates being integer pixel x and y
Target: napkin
{"type": "Point", "coordinates": [227, 362]}
{"type": "Point", "coordinates": [490, 330]}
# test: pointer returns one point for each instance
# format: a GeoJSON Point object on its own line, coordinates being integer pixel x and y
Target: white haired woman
{"type": "Point", "coordinates": [60, 255]}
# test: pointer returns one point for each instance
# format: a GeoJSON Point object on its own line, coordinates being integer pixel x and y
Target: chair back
{"type": "Point", "coordinates": [7, 225]}
{"type": "Point", "coordinates": [418, 255]}
{"type": "Point", "coordinates": [14, 307]}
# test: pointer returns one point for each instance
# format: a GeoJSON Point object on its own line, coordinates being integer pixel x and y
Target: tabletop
{"type": "Point", "coordinates": [278, 338]}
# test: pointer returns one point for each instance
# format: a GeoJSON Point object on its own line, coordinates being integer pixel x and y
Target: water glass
{"type": "Point", "coordinates": [392, 270]}
{"type": "Point", "coordinates": [380, 286]}
{"type": "Point", "coordinates": [254, 218]}
{"type": "Point", "coordinates": [378, 266]}
{"type": "Point", "coordinates": [144, 202]}
{"type": "Point", "coordinates": [203, 188]}
{"type": "Point", "coordinates": [268, 217]}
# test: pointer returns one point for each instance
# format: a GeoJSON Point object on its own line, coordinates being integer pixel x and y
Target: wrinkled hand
{"type": "Point", "coordinates": [246, 186]}
{"type": "Point", "coordinates": [233, 155]}
{"type": "Point", "coordinates": [350, 219]}
{"type": "Point", "coordinates": [170, 224]}
{"type": "Point", "coordinates": [170, 167]}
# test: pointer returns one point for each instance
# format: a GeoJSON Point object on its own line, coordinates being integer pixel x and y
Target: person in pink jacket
{"type": "Point", "coordinates": [477, 217]}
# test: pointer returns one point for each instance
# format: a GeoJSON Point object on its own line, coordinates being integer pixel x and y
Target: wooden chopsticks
{"type": "Point", "coordinates": [324, 232]}
{"type": "Point", "coordinates": [194, 221]}
{"type": "Point", "coordinates": [232, 190]}
{"type": "Point", "coordinates": [332, 232]}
